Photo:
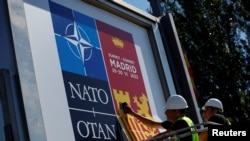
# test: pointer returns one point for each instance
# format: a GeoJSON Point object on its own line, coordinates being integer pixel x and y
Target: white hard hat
{"type": "Point", "coordinates": [214, 102]}
{"type": "Point", "coordinates": [175, 102]}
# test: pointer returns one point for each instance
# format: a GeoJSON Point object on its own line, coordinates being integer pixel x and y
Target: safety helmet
{"type": "Point", "coordinates": [213, 102]}
{"type": "Point", "coordinates": [175, 102]}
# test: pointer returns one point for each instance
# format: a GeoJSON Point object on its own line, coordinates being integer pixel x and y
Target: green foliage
{"type": "Point", "coordinates": [215, 35]}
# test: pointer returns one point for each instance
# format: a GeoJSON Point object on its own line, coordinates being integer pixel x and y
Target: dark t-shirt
{"type": "Point", "coordinates": [219, 118]}
{"type": "Point", "coordinates": [179, 124]}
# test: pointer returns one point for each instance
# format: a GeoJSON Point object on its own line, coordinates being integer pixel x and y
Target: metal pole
{"type": "Point", "coordinates": [156, 7]}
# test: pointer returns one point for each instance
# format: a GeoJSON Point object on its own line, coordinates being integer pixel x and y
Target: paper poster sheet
{"type": "Point", "coordinates": [100, 70]}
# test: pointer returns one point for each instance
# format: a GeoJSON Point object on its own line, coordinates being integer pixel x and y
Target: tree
{"type": "Point", "coordinates": [216, 38]}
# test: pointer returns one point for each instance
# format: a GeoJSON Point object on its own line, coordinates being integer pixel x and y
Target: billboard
{"type": "Point", "coordinates": [100, 71]}
{"type": "Point", "coordinates": [84, 61]}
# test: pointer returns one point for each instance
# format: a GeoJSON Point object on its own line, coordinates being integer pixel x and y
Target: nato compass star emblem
{"type": "Point", "coordinates": [78, 43]}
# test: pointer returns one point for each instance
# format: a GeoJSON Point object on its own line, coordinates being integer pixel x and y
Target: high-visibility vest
{"type": "Point", "coordinates": [195, 136]}
{"type": "Point", "coordinates": [228, 122]}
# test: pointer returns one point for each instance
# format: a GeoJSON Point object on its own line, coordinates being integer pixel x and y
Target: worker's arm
{"type": "Point", "coordinates": [203, 136]}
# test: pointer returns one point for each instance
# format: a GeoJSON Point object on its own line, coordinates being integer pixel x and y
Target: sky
{"type": "Point", "coordinates": [141, 4]}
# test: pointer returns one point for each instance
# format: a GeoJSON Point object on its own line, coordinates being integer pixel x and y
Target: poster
{"type": "Point", "coordinates": [100, 70]}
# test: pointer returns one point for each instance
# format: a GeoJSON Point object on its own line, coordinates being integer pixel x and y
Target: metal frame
{"type": "Point", "coordinates": [26, 71]}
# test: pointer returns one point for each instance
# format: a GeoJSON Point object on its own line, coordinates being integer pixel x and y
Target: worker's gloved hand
{"type": "Point", "coordinates": [126, 109]}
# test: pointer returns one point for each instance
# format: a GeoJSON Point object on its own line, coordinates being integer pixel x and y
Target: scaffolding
{"type": "Point", "coordinates": [174, 135]}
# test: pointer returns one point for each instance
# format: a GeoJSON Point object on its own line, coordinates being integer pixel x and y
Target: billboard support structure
{"type": "Point", "coordinates": [178, 67]}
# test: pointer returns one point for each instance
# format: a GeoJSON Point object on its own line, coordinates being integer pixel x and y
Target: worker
{"type": "Point", "coordinates": [175, 110]}
{"type": "Point", "coordinates": [213, 112]}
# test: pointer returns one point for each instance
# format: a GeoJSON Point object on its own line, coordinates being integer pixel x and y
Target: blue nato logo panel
{"type": "Point", "coordinates": [78, 43]}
